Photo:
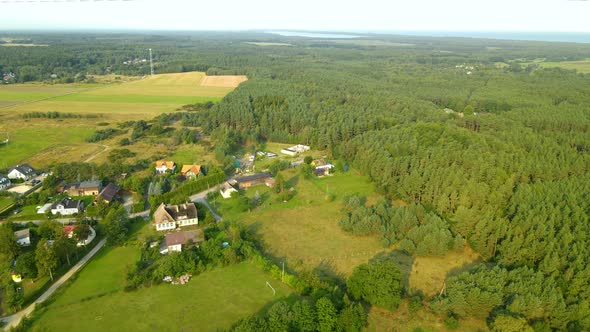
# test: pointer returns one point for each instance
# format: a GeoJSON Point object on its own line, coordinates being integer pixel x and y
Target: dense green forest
{"type": "Point", "coordinates": [487, 148]}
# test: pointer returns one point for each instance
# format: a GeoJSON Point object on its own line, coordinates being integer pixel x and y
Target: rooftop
{"type": "Point", "coordinates": [253, 177]}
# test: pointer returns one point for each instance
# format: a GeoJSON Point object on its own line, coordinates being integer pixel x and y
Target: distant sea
{"type": "Point", "coordinates": [572, 37]}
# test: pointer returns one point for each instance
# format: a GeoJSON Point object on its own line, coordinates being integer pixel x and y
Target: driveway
{"type": "Point", "coordinates": [14, 320]}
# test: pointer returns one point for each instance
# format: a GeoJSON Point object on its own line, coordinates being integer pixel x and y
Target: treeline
{"type": "Point", "coordinates": [58, 115]}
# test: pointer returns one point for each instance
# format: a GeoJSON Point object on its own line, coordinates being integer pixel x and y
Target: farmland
{"type": "Point", "coordinates": [43, 141]}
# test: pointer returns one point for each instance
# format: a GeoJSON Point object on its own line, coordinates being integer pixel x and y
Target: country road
{"type": "Point", "coordinates": [14, 320]}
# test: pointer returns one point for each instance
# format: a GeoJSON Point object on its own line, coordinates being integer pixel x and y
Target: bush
{"type": "Point", "coordinates": [452, 323]}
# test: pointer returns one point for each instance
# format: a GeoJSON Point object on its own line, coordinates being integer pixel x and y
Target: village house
{"type": "Point", "coordinates": [173, 216]}
{"type": "Point", "coordinates": [4, 182]}
{"type": "Point", "coordinates": [67, 207]}
{"type": "Point", "coordinates": [321, 167]}
{"type": "Point", "coordinates": [84, 188]}
{"type": "Point", "coordinates": [23, 237]}
{"type": "Point", "coordinates": [255, 179]}
{"type": "Point", "coordinates": [163, 166]}
{"type": "Point", "coordinates": [174, 242]}
{"type": "Point", "coordinates": [295, 150]}
{"type": "Point", "coordinates": [69, 232]}
{"type": "Point", "coordinates": [190, 171]}
{"type": "Point", "coordinates": [226, 190]}
{"type": "Point", "coordinates": [108, 194]}
{"type": "Point", "coordinates": [24, 172]}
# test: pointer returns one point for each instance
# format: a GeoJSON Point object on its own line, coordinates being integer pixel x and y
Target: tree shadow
{"type": "Point", "coordinates": [327, 270]}
{"type": "Point", "coordinates": [292, 182]}
{"type": "Point", "coordinates": [464, 268]}
{"type": "Point", "coordinates": [403, 260]}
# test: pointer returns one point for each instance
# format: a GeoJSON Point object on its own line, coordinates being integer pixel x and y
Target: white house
{"type": "Point", "coordinates": [173, 216]}
{"type": "Point", "coordinates": [4, 182]}
{"type": "Point", "coordinates": [226, 190]}
{"type": "Point", "coordinates": [163, 166]}
{"type": "Point", "coordinates": [67, 207]}
{"type": "Point", "coordinates": [24, 171]}
{"type": "Point", "coordinates": [23, 237]}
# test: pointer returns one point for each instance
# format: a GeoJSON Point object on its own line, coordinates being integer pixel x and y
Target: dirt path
{"type": "Point", "coordinates": [14, 320]}
{"type": "Point", "coordinates": [104, 149]}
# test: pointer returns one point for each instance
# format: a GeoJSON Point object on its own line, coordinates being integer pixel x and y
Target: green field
{"type": "Point", "coordinates": [579, 66]}
{"type": "Point", "coordinates": [211, 301]}
{"type": "Point", "coordinates": [133, 100]}
{"type": "Point", "coordinates": [36, 135]}
{"type": "Point", "coordinates": [5, 201]}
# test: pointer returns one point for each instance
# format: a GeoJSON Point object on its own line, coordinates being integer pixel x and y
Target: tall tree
{"type": "Point", "coordinates": [47, 259]}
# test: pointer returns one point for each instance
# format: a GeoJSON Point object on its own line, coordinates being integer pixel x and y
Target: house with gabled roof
{"type": "Point", "coordinates": [190, 171]}
{"type": "Point", "coordinates": [163, 166]}
{"type": "Point", "coordinates": [173, 216]}
{"type": "Point", "coordinates": [174, 242]}
{"type": "Point", "coordinates": [24, 172]}
{"type": "Point", "coordinates": [23, 237]}
{"type": "Point", "coordinates": [84, 188]}
{"type": "Point", "coordinates": [67, 207]}
{"type": "Point", "coordinates": [108, 194]}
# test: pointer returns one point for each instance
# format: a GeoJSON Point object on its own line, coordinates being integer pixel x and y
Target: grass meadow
{"type": "Point", "coordinates": [305, 230]}
{"type": "Point", "coordinates": [211, 301]}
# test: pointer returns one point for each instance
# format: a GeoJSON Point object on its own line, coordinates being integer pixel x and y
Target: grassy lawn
{"type": "Point", "coordinates": [35, 135]}
{"type": "Point", "coordinates": [5, 201]}
{"type": "Point", "coordinates": [209, 302]}
{"type": "Point", "coordinates": [28, 212]}
{"type": "Point", "coordinates": [192, 153]}
{"type": "Point", "coordinates": [132, 100]}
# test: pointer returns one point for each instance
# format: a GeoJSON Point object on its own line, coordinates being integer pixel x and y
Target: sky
{"type": "Point", "coordinates": [324, 15]}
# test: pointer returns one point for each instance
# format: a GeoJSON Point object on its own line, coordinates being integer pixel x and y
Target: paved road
{"type": "Point", "coordinates": [201, 198]}
{"type": "Point", "coordinates": [64, 221]}
{"type": "Point", "coordinates": [15, 319]}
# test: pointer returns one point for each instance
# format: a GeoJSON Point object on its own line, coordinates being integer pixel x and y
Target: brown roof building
{"type": "Point", "coordinates": [175, 241]}
{"type": "Point", "coordinates": [173, 216]}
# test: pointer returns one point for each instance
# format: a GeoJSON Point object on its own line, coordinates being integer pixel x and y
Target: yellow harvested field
{"type": "Point", "coordinates": [229, 81]}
